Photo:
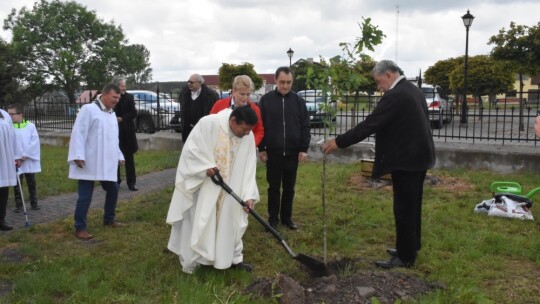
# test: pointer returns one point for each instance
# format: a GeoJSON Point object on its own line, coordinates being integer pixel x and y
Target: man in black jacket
{"type": "Point", "coordinates": [404, 148]}
{"type": "Point", "coordinates": [285, 143]}
{"type": "Point", "coordinates": [125, 114]}
{"type": "Point", "coordinates": [196, 100]}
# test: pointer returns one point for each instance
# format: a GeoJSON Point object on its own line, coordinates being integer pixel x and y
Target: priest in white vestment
{"type": "Point", "coordinates": [10, 155]}
{"type": "Point", "coordinates": [94, 155]}
{"type": "Point", "coordinates": [28, 139]}
{"type": "Point", "coordinates": [207, 223]}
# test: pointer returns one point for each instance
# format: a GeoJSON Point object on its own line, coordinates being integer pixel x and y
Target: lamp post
{"type": "Point", "coordinates": [290, 53]}
{"type": "Point", "coordinates": [467, 21]}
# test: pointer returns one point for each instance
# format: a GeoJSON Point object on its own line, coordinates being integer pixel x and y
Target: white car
{"type": "Point", "coordinates": [155, 112]}
{"type": "Point", "coordinates": [314, 101]}
{"type": "Point", "coordinates": [440, 105]}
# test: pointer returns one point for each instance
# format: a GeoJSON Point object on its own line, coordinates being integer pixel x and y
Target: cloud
{"type": "Point", "coordinates": [186, 37]}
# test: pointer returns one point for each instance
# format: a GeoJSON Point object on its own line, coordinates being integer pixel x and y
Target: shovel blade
{"type": "Point", "coordinates": [316, 267]}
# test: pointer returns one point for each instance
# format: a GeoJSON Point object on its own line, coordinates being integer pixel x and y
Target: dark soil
{"type": "Point", "coordinates": [343, 284]}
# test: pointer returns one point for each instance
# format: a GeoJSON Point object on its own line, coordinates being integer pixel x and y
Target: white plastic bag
{"type": "Point", "coordinates": [506, 206]}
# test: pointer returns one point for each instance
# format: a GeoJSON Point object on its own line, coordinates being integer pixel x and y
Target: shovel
{"type": "Point", "coordinates": [317, 268]}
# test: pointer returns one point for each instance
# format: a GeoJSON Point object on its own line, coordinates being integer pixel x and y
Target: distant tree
{"type": "Point", "coordinates": [439, 73]}
{"type": "Point", "coordinates": [485, 76]}
{"type": "Point", "coordinates": [520, 47]}
{"type": "Point", "coordinates": [136, 64]}
{"type": "Point", "coordinates": [64, 44]}
{"type": "Point", "coordinates": [300, 69]}
{"type": "Point", "coordinates": [228, 71]}
{"type": "Point", "coordinates": [11, 71]}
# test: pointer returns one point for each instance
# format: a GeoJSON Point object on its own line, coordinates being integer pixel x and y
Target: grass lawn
{"type": "Point", "coordinates": [479, 259]}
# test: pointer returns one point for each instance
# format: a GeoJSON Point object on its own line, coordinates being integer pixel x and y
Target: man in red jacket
{"type": "Point", "coordinates": [242, 87]}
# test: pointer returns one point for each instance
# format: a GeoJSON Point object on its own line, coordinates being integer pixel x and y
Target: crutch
{"type": "Point", "coordinates": [27, 223]}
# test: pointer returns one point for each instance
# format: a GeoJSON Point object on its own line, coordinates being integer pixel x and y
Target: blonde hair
{"type": "Point", "coordinates": [243, 81]}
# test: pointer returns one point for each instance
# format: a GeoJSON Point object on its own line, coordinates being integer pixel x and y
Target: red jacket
{"type": "Point", "coordinates": [258, 130]}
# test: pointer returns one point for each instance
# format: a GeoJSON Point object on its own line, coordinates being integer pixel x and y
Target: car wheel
{"type": "Point", "coordinates": [145, 124]}
{"type": "Point", "coordinates": [178, 130]}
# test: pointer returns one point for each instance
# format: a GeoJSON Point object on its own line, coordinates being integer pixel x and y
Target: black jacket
{"type": "Point", "coordinates": [403, 139]}
{"type": "Point", "coordinates": [125, 108]}
{"type": "Point", "coordinates": [286, 123]}
{"type": "Point", "coordinates": [192, 111]}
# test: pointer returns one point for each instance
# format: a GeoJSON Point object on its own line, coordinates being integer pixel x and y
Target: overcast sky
{"type": "Point", "coordinates": [197, 36]}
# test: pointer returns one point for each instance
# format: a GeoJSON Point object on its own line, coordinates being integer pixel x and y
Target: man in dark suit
{"type": "Point", "coordinates": [196, 100]}
{"type": "Point", "coordinates": [126, 113]}
{"type": "Point", "coordinates": [404, 148]}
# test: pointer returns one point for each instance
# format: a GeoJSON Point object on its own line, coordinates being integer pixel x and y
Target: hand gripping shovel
{"type": "Point", "coordinates": [316, 267]}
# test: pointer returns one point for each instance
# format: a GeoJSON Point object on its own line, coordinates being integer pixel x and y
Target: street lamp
{"type": "Point", "coordinates": [290, 53]}
{"type": "Point", "coordinates": [467, 21]}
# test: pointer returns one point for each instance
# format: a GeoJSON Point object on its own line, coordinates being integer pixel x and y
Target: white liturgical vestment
{"type": "Point", "coordinates": [94, 139]}
{"type": "Point", "coordinates": [10, 150]}
{"type": "Point", "coordinates": [207, 223]}
{"type": "Point", "coordinates": [28, 139]}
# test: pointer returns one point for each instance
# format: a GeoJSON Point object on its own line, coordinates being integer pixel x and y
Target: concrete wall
{"type": "Point", "coordinates": [496, 158]}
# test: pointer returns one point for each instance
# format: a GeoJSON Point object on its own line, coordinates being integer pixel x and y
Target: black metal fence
{"type": "Point", "coordinates": [498, 121]}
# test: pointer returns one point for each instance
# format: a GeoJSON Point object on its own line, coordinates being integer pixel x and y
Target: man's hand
{"type": "Point", "coordinates": [250, 204]}
{"type": "Point", "coordinates": [329, 147]}
{"type": "Point", "coordinates": [18, 163]}
{"type": "Point", "coordinates": [211, 172]}
{"type": "Point", "coordinates": [79, 163]}
{"type": "Point", "coordinates": [263, 156]}
{"type": "Point", "coordinates": [302, 156]}
{"type": "Point", "coordinates": [122, 162]}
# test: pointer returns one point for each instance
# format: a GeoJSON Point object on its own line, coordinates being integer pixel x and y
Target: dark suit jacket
{"type": "Point", "coordinates": [403, 138]}
{"type": "Point", "coordinates": [125, 108]}
{"type": "Point", "coordinates": [192, 111]}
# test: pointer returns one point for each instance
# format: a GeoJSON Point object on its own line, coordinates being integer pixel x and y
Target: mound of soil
{"type": "Point", "coordinates": [356, 287]}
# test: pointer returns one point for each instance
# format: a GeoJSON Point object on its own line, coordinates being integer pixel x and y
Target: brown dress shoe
{"type": "Point", "coordinates": [83, 235]}
{"type": "Point", "coordinates": [115, 224]}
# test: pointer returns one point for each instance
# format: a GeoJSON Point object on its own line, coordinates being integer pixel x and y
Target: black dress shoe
{"type": "Point", "coordinates": [290, 225]}
{"type": "Point", "coordinates": [243, 266]}
{"type": "Point", "coordinates": [393, 262]}
{"type": "Point", "coordinates": [392, 252]}
{"type": "Point", "coordinates": [5, 227]}
{"type": "Point", "coordinates": [35, 207]}
{"type": "Point", "coordinates": [133, 188]}
{"type": "Point", "coordinates": [18, 210]}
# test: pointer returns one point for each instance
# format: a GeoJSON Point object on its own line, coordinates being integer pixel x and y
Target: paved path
{"type": "Point", "coordinates": [62, 206]}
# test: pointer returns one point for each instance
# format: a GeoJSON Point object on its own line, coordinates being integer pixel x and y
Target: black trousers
{"type": "Point", "coordinates": [281, 172]}
{"type": "Point", "coordinates": [131, 178]}
{"type": "Point", "coordinates": [31, 181]}
{"type": "Point", "coordinates": [4, 194]}
{"type": "Point", "coordinates": [408, 190]}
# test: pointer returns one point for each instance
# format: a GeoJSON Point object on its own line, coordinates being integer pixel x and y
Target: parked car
{"type": "Point", "coordinates": [155, 111]}
{"type": "Point", "coordinates": [314, 103]}
{"type": "Point", "coordinates": [255, 97]}
{"type": "Point", "coordinates": [440, 105]}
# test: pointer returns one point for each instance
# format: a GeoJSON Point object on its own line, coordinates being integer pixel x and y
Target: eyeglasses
{"type": "Point", "coordinates": [192, 82]}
